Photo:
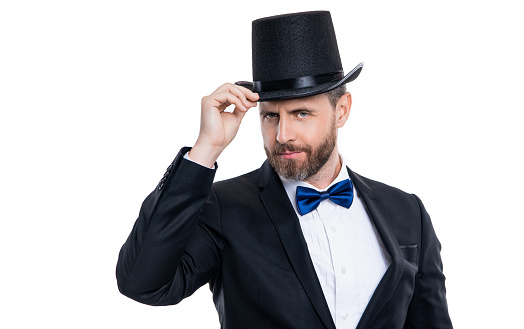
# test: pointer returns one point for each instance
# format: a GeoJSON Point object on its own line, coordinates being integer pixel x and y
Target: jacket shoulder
{"type": "Point", "coordinates": [382, 188]}
{"type": "Point", "coordinates": [236, 184]}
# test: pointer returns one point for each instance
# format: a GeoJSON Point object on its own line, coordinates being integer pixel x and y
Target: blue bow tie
{"type": "Point", "coordinates": [308, 199]}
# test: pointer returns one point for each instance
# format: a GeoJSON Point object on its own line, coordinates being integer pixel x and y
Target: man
{"type": "Point", "coordinates": [302, 242]}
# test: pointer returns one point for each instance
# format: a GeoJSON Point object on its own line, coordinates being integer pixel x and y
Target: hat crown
{"type": "Point", "coordinates": [294, 45]}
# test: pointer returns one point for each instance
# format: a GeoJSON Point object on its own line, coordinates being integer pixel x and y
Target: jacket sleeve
{"type": "Point", "coordinates": [174, 246]}
{"type": "Point", "coordinates": [428, 307]}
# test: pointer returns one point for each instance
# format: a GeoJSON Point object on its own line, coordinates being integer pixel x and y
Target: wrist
{"type": "Point", "coordinates": [205, 154]}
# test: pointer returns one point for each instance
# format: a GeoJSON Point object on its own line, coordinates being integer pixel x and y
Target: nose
{"type": "Point", "coordinates": [285, 130]}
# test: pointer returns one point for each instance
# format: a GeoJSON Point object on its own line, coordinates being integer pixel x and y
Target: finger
{"type": "Point", "coordinates": [222, 100]}
{"type": "Point", "coordinates": [251, 96]}
{"type": "Point", "coordinates": [239, 114]}
{"type": "Point", "coordinates": [240, 94]}
{"type": "Point", "coordinates": [223, 87]}
{"type": "Point", "coordinates": [247, 97]}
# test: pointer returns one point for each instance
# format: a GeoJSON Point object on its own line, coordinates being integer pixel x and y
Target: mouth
{"type": "Point", "coordinates": [290, 154]}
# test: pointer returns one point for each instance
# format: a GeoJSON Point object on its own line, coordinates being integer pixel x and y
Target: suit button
{"type": "Point", "coordinates": [161, 186]}
{"type": "Point", "coordinates": [170, 167]}
{"type": "Point", "coordinates": [166, 174]}
{"type": "Point", "coordinates": [163, 179]}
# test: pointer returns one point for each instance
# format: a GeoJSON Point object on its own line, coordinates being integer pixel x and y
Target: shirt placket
{"type": "Point", "coordinates": [331, 217]}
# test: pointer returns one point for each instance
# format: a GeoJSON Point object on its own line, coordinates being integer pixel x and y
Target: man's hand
{"type": "Point", "coordinates": [217, 127]}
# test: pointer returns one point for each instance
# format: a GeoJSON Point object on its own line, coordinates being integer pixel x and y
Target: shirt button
{"type": "Point", "coordinates": [343, 270]}
{"type": "Point", "coordinates": [333, 228]}
{"type": "Point", "coordinates": [345, 316]}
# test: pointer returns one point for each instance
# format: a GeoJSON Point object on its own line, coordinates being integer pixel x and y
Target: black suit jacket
{"type": "Point", "coordinates": [242, 236]}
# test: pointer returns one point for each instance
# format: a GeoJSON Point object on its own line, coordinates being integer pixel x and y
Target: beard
{"type": "Point", "coordinates": [316, 157]}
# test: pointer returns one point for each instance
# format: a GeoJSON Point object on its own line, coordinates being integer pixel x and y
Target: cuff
{"type": "Point", "coordinates": [186, 156]}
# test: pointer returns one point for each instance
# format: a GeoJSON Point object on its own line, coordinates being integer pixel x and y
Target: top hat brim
{"type": "Point", "coordinates": [283, 94]}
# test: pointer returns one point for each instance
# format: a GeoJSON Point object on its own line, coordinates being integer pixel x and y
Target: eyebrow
{"type": "Point", "coordinates": [264, 112]}
{"type": "Point", "coordinates": [302, 109]}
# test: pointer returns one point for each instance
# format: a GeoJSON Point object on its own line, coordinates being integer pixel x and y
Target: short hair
{"type": "Point", "coordinates": [335, 94]}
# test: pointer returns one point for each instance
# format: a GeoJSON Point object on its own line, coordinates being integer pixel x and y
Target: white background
{"type": "Point", "coordinates": [97, 97]}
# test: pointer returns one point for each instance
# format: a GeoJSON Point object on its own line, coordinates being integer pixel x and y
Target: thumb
{"type": "Point", "coordinates": [239, 114]}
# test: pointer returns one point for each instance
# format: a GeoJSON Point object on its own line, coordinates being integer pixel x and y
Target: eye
{"type": "Point", "coordinates": [302, 114]}
{"type": "Point", "coordinates": [270, 116]}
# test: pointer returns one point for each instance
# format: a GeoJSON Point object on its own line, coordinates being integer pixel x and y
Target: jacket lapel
{"type": "Point", "coordinates": [379, 216]}
{"type": "Point", "coordinates": [281, 212]}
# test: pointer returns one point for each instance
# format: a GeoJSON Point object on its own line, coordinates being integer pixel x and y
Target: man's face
{"type": "Point", "coordinates": [299, 135]}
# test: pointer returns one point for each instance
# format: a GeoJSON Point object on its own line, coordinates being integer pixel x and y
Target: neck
{"type": "Point", "coordinates": [327, 174]}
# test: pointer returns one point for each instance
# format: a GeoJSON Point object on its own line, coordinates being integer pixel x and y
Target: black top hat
{"type": "Point", "coordinates": [296, 55]}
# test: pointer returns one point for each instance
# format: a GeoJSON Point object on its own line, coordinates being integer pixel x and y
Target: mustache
{"type": "Point", "coordinates": [282, 148]}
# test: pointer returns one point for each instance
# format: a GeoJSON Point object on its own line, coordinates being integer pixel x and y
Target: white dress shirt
{"type": "Point", "coordinates": [346, 251]}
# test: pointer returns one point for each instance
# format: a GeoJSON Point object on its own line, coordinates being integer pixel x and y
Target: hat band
{"type": "Point", "coordinates": [297, 83]}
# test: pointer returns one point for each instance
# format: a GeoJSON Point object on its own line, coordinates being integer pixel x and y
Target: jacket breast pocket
{"type": "Point", "coordinates": [409, 251]}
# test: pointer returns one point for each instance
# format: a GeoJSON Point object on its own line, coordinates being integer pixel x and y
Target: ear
{"type": "Point", "coordinates": [342, 109]}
